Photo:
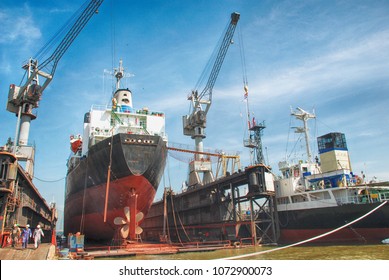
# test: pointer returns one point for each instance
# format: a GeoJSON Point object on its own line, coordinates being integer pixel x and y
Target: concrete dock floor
{"type": "Point", "coordinates": [46, 251]}
{"type": "Point", "coordinates": [148, 249]}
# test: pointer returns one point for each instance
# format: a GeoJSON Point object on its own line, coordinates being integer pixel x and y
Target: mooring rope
{"type": "Point", "coordinates": [307, 240]}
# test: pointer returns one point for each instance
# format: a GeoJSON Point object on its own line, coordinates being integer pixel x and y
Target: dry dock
{"type": "Point", "coordinates": [150, 249]}
{"type": "Point", "coordinates": [45, 251]}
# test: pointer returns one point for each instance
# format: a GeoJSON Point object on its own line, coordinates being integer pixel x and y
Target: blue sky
{"type": "Point", "coordinates": [330, 56]}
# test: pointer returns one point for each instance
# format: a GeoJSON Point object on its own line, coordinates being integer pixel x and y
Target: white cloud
{"type": "Point", "coordinates": [18, 27]}
{"type": "Point", "coordinates": [366, 60]}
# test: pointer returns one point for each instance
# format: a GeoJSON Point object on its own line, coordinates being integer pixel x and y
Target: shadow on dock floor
{"type": "Point", "coordinates": [45, 251]}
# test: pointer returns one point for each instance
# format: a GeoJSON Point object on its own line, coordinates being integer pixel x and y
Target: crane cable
{"type": "Point", "coordinates": [208, 67]}
{"type": "Point", "coordinates": [244, 78]}
{"type": "Point", "coordinates": [57, 36]}
{"type": "Point", "coordinates": [113, 42]}
{"type": "Point", "coordinates": [242, 56]}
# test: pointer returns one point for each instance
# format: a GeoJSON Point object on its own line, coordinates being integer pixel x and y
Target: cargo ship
{"type": "Point", "coordinates": [315, 196]}
{"type": "Point", "coordinates": [114, 169]}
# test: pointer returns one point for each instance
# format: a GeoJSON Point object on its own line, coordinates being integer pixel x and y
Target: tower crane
{"type": "Point", "coordinates": [24, 98]}
{"type": "Point", "coordinates": [195, 123]}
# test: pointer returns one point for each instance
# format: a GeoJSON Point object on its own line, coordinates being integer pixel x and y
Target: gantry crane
{"type": "Point", "coordinates": [24, 98]}
{"type": "Point", "coordinates": [195, 123]}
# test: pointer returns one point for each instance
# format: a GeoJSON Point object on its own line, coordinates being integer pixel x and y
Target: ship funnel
{"type": "Point", "coordinates": [123, 100]}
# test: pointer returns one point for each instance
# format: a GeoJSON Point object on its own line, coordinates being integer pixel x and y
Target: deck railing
{"type": "Point", "coordinates": [364, 198]}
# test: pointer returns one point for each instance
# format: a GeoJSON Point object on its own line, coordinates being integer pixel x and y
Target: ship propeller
{"type": "Point", "coordinates": [125, 222]}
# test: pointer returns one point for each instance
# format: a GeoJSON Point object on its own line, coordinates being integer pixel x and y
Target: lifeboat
{"type": "Point", "coordinates": [75, 143]}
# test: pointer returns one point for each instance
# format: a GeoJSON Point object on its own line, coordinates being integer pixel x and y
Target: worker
{"type": "Point", "coordinates": [26, 235]}
{"type": "Point", "coordinates": [15, 233]}
{"type": "Point", "coordinates": [38, 234]}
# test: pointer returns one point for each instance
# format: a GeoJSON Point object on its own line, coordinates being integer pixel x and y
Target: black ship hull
{"type": "Point", "coordinates": [299, 225]}
{"type": "Point", "coordinates": [136, 162]}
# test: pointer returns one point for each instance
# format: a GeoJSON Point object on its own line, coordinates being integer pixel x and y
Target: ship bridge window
{"type": "Point", "coordinates": [320, 195]}
{"type": "Point", "coordinates": [286, 173]}
{"type": "Point", "coordinates": [283, 200]}
{"type": "Point", "coordinates": [299, 198]}
{"type": "Point", "coordinates": [331, 141]}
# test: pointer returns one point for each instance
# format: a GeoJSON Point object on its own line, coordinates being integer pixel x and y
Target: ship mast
{"type": "Point", "coordinates": [119, 73]}
{"type": "Point", "coordinates": [304, 116]}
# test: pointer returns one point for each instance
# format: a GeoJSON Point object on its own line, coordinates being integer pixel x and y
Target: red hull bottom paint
{"type": "Point", "coordinates": [85, 213]}
{"type": "Point", "coordinates": [344, 236]}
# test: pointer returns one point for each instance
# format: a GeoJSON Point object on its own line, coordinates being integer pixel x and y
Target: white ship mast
{"type": "Point", "coordinates": [119, 74]}
{"type": "Point", "coordinates": [304, 116]}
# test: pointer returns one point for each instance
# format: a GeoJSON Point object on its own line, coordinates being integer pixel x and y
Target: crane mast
{"type": "Point", "coordinates": [24, 98]}
{"type": "Point", "coordinates": [195, 123]}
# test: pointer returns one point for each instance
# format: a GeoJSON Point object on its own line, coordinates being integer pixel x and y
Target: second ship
{"type": "Point", "coordinates": [115, 169]}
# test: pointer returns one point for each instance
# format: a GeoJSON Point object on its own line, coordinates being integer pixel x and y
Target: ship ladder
{"type": "Point", "coordinates": [12, 202]}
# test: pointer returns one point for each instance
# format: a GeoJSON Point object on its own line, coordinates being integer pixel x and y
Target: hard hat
{"type": "Point", "coordinates": [38, 226]}
{"type": "Point", "coordinates": [27, 225]}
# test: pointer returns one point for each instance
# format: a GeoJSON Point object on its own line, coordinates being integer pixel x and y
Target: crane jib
{"type": "Point", "coordinates": [77, 27]}
{"type": "Point", "coordinates": [24, 98]}
{"type": "Point", "coordinates": [194, 124]}
{"type": "Point", "coordinates": [220, 57]}
{"type": "Point", "coordinates": [234, 18]}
